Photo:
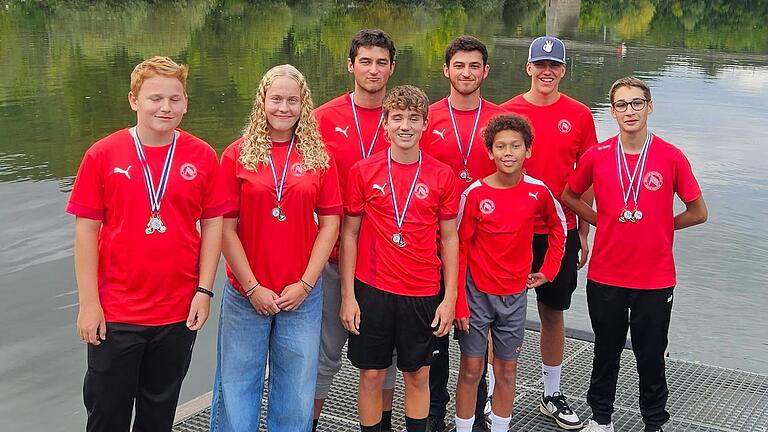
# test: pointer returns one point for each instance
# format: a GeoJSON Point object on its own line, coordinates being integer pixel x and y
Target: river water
{"type": "Point", "coordinates": [64, 71]}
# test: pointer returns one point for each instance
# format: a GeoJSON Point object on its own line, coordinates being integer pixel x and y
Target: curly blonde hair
{"type": "Point", "coordinates": [257, 145]}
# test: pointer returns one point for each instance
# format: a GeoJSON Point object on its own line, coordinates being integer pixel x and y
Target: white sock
{"type": "Point", "coordinates": [491, 380]}
{"type": "Point", "coordinates": [551, 376]}
{"type": "Point", "coordinates": [498, 424]}
{"type": "Point", "coordinates": [463, 425]}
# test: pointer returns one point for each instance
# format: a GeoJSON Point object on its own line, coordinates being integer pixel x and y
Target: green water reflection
{"type": "Point", "coordinates": [64, 65]}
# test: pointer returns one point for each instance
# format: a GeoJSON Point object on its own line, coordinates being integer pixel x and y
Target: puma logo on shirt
{"type": "Point", "coordinates": [669, 299]}
{"type": "Point", "coordinates": [535, 195]}
{"type": "Point", "coordinates": [123, 171]}
{"type": "Point", "coordinates": [343, 131]}
{"type": "Point", "coordinates": [381, 188]}
{"type": "Point", "coordinates": [441, 133]}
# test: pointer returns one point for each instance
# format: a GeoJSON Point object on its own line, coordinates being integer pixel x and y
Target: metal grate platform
{"type": "Point", "coordinates": [702, 398]}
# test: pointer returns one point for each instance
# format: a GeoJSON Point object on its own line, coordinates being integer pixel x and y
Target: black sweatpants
{"type": "Point", "coordinates": [438, 382]}
{"type": "Point", "coordinates": [145, 364]}
{"type": "Point", "coordinates": [646, 313]}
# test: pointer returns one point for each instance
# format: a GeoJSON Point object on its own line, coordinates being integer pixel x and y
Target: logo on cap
{"type": "Point", "coordinates": [548, 46]}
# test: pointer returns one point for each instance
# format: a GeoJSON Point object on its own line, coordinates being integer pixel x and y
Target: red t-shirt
{"type": "Point", "coordinates": [278, 252]}
{"type": "Point", "coordinates": [415, 269]}
{"type": "Point", "coordinates": [496, 232]}
{"type": "Point", "coordinates": [639, 254]}
{"type": "Point", "coordinates": [562, 132]}
{"type": "Point", "coordinates": [146, 279]}
{"type": "Point", "coordinates": [439, 139]}
{"type": "Point", "coordinates": [337, 127]}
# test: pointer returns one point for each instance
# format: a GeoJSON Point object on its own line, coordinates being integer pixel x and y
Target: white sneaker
{"type": "Point", "coordinates": [592, 426]}
{"type": "Point", "coordinates": [556, 406]}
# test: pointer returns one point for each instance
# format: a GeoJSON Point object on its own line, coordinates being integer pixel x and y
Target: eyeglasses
{"type": "Point", "coordinates": [637, 104]}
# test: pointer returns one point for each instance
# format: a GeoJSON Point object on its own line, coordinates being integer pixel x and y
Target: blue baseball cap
{"type": "Point", "coordinates": [547, 48]}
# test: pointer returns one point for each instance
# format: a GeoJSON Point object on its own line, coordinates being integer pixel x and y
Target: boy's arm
{"type": "Point", "coordinates": [449, 253]}
{"type": "Point", "coordinates": [91, 326]}
{"type": "Point", "coordinates": [695, 213]}
{"type": "Point", "coordinates": [210, 251]}
{"type": "Point", "coordinates": [583, 226]}
{"type": "Point", "coordinates": [581, 208]}
{"type": "Point", "coordinates": [350, 310]}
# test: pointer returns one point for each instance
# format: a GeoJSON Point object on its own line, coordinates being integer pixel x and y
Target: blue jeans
{"type": "Point", "coordinates": [291, 340]}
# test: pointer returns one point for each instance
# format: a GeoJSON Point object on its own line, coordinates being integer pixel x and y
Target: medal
{"type": "Point", "coordinates": [464, 173]}
{"type": "Point", "coordinates": [155, 196]}
{"type": "Point", "coordinates": [363, 152]}
{"type": "Point", "coordinates": [635, 178]}
{"type": "Point", "coordinates": [397, 238]}
{"type": "Point", "coordinates": [155, 224]}
{"type": "Point", "coordinates": [278, 212]}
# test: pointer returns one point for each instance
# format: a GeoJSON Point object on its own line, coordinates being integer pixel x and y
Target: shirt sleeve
{"type": "Point", "coordinates": [686, 185]}
{"type": "Point", "coordinates": [552, 213]}
{"type": "Point", "coordinates": [467, 223]}
{"type": "Point", "coordinates": [229, 183]}
{"type": "Point", "coordinates": [329, 202]}
{"type": "Point", "coordinates": [449, 201]}
{"type": "Point", "coordinates": [87, 197]}
{"type": "Point", "coordinates": [213, 199]}
{"type": "Point", "coordinates": [588, 134]}
{"type": "Point", "coordinates": [355, 192]}
{"type": "Point", "coordinates": [581, 179]}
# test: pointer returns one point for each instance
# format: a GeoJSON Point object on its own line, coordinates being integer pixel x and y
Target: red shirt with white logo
{"type": "Point", "coordinates": [278, 252]}
{"type": "Point", "coordinates": [562, 132]}
{"type": "Point", "coordinates": [639, 254]}
{"type": "Point", "coordinates": [337, 128]}
{"type": "Point", "coordinates": [146, 279]}
{"type": "Point", "coordinates": [496, 232]}
{"type": "Point", "coordinates": [439, 139]}
{"type": "Point", "coordinates": [413, 270]}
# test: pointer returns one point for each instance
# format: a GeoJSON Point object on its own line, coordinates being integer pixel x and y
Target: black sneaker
{"type": "Point", "coordinates": [480, 426]}
{"type": "Point", "coordinates": [556, 406]}
{"type": "Point", "coordinates": [435, 424]}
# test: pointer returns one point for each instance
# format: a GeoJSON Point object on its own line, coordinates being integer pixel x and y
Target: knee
{"type": "Point", "coordinates": [417, 379]}
{"type": "Point", "coordinates": [471, 372]}
{"type": "Point", "coordinates": [505, 372]}
{"type": "Point", "coordinates": [372, 379]}
{"type": "Point", "coordinates": [549, 316]}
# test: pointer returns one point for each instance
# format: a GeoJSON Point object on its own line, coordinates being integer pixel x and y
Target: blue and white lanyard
{"type": "Point", "coordinates": [464, 157]}
{"type": "Point", "coordinates": [399, 219]}
{"type": "Point", "coordinates": [155, 196]}
{"type": "Point", "coordinates": [281, 185]}
{"type": "Point", "coordinates": [363, 152]}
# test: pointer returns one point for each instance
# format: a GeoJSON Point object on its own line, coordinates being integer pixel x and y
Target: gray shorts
{"type": "Point", "coordinates": [504, 315]}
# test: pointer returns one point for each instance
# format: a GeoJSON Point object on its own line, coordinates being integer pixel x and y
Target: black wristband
{"type": "Point", "coordinates": [307, 285]}
{"type": "Point", "coordinates": [208, 292]}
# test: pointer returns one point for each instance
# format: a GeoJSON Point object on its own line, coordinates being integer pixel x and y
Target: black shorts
{"type": "Point", "coordinates": [557, 294]}
{"type": "Point", "coordinates": [392, 322]}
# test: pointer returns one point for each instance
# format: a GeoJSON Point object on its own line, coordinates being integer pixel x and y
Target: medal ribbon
{"type": "Point", "coordinates": [364, 153]}
{"type": "Point", "coordinates": [464, 157]}
{"type": "Point", "coordinates": [398, 218]}
{"type": "Point", "coordinates": [622, 167]}
{"type": "Point", "coordinates": [155, 196]}
{"type": "Point", "coordinates": [280, 186]}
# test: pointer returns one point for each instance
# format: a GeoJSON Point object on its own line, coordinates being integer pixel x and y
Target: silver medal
{"type": "Point", "coordinates": [638, 214]}
{"type": "Point", "coordinates": [465, 175]}
{"type": "Point", "coordinates": [397, 238]}
{"type": "Point", "coordinates": [278, 214]}
{"type": "Point", "coordinates": [627, 215]}
{"type": "Point", "coordinates": [155, 224]}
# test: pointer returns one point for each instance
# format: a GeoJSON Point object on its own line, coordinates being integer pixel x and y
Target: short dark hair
{"type": "Point", "coordinates": [406, 97]}
{"type": "Point", "coordinates": [630, 81]}
{"type": "Point", "coordinates": [369, 38]}
{"type": "Point", "coordinates": [465, 43]}
{"type": "Point", "coordinates": [512, 122]}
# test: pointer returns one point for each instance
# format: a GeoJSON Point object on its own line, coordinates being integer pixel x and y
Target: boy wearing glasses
{"type": "Point", "coordinates": [635, 176]}
{"type": "Point", "coordinates": [564, 129]}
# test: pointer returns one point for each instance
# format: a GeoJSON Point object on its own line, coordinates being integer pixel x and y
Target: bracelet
{"type": "Point", "coordinates": [252, 289]}
{"type": "Point", "coordinates": [307, 287]}
{"type": "Point", "coordinates": [208, 292]}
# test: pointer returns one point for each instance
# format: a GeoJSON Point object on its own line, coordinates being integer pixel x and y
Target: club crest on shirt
{"type": "Point", "coordinates": [653, 180]}
{"type": "Point", "coordinates": [188, 171]}
{"type": "Point", "coordinates": [487, 206]}
{"type": "Point", "coordinates": [564, 126]}
{"type": "Point", "coordinates": [421, 191]}
{"type": "Point", "coordinates": [297, 169]}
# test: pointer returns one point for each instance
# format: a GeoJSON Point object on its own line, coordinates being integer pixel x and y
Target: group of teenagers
{"type": "Point", "coordinates": [378, 221]}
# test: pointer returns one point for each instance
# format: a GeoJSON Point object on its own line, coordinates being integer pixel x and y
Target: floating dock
{"type": "Point", "coordinates": [702, 398]}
